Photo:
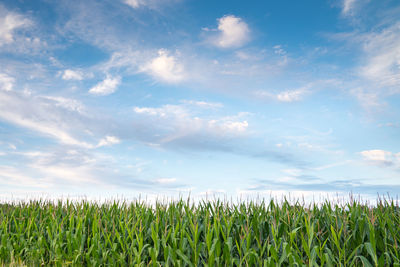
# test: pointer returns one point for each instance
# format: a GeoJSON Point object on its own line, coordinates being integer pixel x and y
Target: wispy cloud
{"type": "Point", "coordinates": [294, 95]}
{"type": "Point", "coordinates": [10, 22]}
{"type": "Point", "coordinates": [348, 6]}
{"type": "Point", "coordinates": [10, 176]}
{"type": "Point", "coordinates": [47, 116]}
{"type": "Point", "coordinates": [376, 74]}
{"type": "Point", "coordinates": [74, 168]}
{"type": "Point", "coordinates": [66, 103]}
{"type": "Point", "coordinates": [382, 56]}
{"type": "Point", "coordinates": [203, 104]}
{"type": "Point", "coordinates": [6, 82]}
{"type": "Point", "coordinates": [135, 4]}
{"type": "Point", "coordinates": [178, 127]}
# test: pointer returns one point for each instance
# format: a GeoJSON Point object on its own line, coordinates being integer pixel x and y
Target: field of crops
{"type": "Point", "coordinates": [211, 233]}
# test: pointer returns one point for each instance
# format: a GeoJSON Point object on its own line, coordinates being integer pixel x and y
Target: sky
{"type": "Point", "coordinates": [171, 98]}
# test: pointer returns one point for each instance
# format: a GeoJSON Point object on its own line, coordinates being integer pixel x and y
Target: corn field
{"type": "Point", "coordinates": [210, 233]}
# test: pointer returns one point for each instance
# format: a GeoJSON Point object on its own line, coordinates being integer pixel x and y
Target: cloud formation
{"type": "Point", "coordinates": [177, 125]}
{"type": "Point", "coordinates": [54, 117]}
{"type": "Point", "coordinates": [72, 75]}
{"type": "Point", "coordinates": [165, 67]}
{"type": "Point", "coordinates": [347, 6]}
{"type": "Point", "coordinates": [6, 82]}
{"type": "Point", "coordinates": [382, 56]}
{"type": "Point", "coordinates": [284, 96]}
{"type": "Point", "coordinates": [108, 141]}
{"type": "Point", "coordinates": [106, 87]}
{"type": "Point", "coordinates": [9, 23]}
{"type": "Point", "coordinates": [133, 3]}
{"type": "Point", "coordinates": [381, 157]}
{"type": "Point", "coordinates": [233, 32]}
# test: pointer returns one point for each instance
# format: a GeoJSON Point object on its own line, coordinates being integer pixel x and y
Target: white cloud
{"type": "Point", "coordinates": [367, 98]}
{"type": "Point", "coordinates": [285, 96]}
{"type": "Point", "coordinates": [293, 95]}
{"type": "Point", "coordinates": [66, 103]}
{"type": "Point", "coordinates": [382, 56]}
{"type": "Point", "coordinates": [379, 66]}
{"type": "Point", "coordinates": [203, 104]}
{"type": "Point", "coordinates": [106, 87]}
{"type": "Point", "coordinates": [165, 68]}
{"type": "Point", "coordinates": [79, 174]}
{"type": "Point", "coordinates": [347, 6]}
{"type": "Point", "coordinates": [72, 75]}
{"type": "Point", "coordinates": [6, 82]}
{"type": "Point", "coordinates": [152, 4]}
{"type": "Point", "coordinates": [133, 3]}
{"type": "Point", "coordinates": [13, 176]}
{"type": "Point", "coordinates": [9, 22]}
{"type": "Point", "coordinates": [71, 167]}
{"type": "Point", "coordinates": [233, 32]}
{"type": "Point", "coordinates": [297, 94]}
{"type": "Point", "coordinates": [176, 122]}
{"type": "Point", "coordinates": [381, 157]}
{"type": "Point", "coordinates": [229, 126]}
{"type": "Point", "coordinates": [108, 141]}
{"type": "Point", "coordinates": [45, 115]}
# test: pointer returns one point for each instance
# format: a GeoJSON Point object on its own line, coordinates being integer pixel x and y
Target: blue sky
{"type": "Point", "coordinates": [212, 98]}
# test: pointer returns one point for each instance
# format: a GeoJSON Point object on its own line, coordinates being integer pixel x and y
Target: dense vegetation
{"type": "Point", "coordinates": [206, 234]}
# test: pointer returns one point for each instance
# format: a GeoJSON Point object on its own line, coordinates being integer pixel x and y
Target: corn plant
{"type": "Point", "coordinates": [210, 233]}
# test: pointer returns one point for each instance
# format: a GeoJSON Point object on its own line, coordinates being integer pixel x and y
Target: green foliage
{"type": "Point", "coordinates": [42, 233]}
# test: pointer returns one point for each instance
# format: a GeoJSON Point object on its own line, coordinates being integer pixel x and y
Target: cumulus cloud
{"type": "Point", "coordinates": [165, 67]}
{"type": "Point", "coordinates": [106, 87]}
{"type": "Point", "coordinates": [381, 157]}
{"type": "Point", "coordinates": [6, 82]}
{"type": "Point", "coordinates": [233, 32]}
{"type": "Point", "coordinates": [72, 75]}
{"type": "Point", "coordinates": [9, 23]}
